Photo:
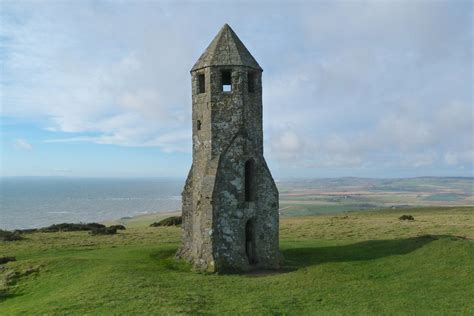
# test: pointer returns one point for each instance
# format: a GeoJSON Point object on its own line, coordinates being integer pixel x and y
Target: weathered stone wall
{"type": "Point", "coordinates": [232, 211]}
{"type": "Point", "coordinates": [221, 224]}
{"type": "Point", "coordinates": [197, 193]}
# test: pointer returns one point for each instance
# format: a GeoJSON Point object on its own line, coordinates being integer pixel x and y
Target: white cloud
{"type": "Point", "coordinates": [403, 137]}
{"type": "Point", "coordinates": [122, 84]}
{"type": "Point", "coordinates": [346, 84]}
{"type": "Point", "coordinates": [459, 158]}
{"type": "Point", "coordinates": [22, 144]}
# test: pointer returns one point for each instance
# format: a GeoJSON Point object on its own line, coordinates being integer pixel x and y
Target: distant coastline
{"type": "Point", "coordinates": [27, 203]}
{"type": "Point", "coordinates": [33, 202]}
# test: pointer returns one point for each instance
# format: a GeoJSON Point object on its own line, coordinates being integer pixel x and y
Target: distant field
{"type": "Point", "coordinates": [363, 263]}
{"type": "Point", "coordinates": [321, 196]}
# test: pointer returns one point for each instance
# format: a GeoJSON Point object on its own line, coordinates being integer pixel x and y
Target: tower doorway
{"type": "Point", "coordinates": [250, 250]}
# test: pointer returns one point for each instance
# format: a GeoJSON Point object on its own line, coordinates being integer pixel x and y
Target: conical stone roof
{"type": "Point", "coordinates": [226, 49]}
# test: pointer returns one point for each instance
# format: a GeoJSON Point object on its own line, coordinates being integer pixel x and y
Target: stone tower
{"type": "Point", "coordinates": [230, 201]}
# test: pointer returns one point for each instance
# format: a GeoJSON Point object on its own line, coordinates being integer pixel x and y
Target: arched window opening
{"type": "Point", "coordinates": [250, 250]}
{"type": "Point", "coordinates": [198, 125]}
{"type": "Point", "coordinates": [249, 180]}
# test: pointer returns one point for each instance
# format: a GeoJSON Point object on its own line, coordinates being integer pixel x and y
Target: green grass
{"type": "Point", "coordinates": [356, 263]}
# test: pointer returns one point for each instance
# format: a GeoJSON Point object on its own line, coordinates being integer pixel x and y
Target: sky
{"type": "Point", "coordinates": [350, 88]}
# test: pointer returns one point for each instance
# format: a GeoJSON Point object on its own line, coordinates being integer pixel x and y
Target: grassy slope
{"type": "Point", "coordinates": [365, 263]}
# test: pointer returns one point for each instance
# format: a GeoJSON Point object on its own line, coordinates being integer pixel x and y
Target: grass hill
{"type": "Point", "coordinates": [351, 263]}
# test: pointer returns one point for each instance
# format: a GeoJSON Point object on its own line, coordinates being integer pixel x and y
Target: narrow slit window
{"type": "Point", "coordinates": [198, 125]}
{"type": "Point", "coordinates": [250, 249]}
{"type": "Point", "coordinates": [249, 180]}
{"type": "Point", "coordinates": [201, 83]}
{"type": "Point", "coordinates": [251, 82]}
{"type": "Point", "coordinates": [226, 80]}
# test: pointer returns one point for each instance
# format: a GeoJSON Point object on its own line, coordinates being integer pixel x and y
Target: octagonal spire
{"type": "Point", "coordinates": [226, 49]}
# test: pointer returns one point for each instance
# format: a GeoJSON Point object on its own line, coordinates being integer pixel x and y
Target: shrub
{"type": "Point", "coordinates": [118, 227]}
{"type": "Point", "coordinates": [406, 218]}
{"type": "Point", "coordinates": [170, 221]}
{"type": "Point", "coordinates": [25, 231]}
{"type": "Point", "coordinates": [70, 227]}
{"type": "Point", "coordinates": [66, 227]}
{"type": "Point", "coordinates": [6, 259]}
{"type": "Point", "coordinates": [9, 236]}
{"type": "Point", "coordinates": [103, 231]}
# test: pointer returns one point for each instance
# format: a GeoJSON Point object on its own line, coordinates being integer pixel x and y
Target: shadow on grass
{"type": "Point", "coordinates": [7, 295]}
{"type": "Point", "coordinates": [296, 258]}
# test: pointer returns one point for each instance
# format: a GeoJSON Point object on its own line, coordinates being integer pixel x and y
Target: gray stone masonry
{"type": "Point", "coordinates": [230, 201]}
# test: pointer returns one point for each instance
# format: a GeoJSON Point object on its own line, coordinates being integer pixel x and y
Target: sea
{"type": "Point", "coordinates": [32, 202]}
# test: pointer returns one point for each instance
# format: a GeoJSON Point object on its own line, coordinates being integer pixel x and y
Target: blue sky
{"type": "Point", "coordinates": [353, 88]}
